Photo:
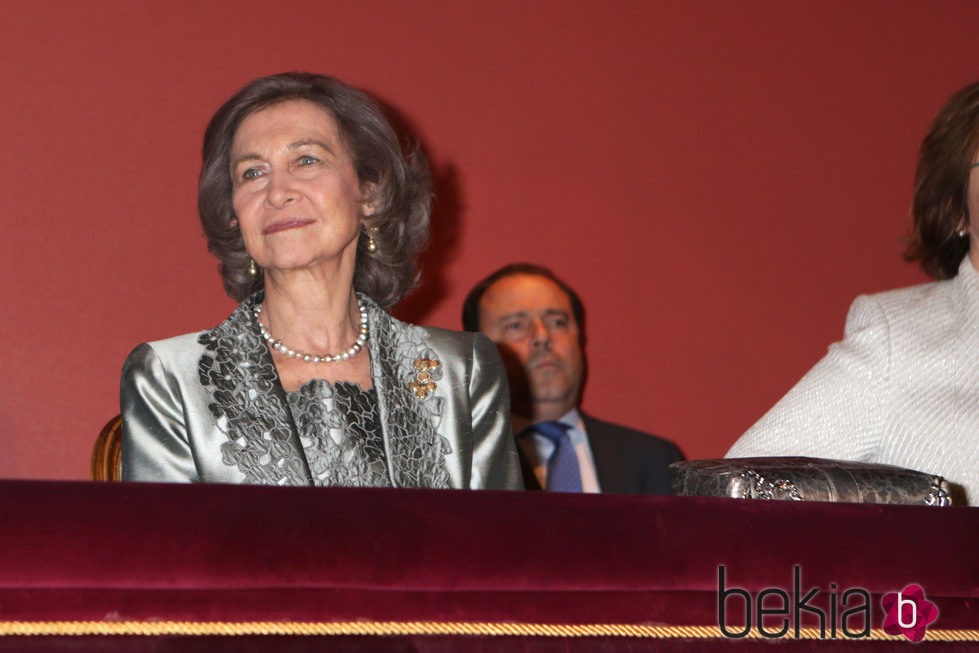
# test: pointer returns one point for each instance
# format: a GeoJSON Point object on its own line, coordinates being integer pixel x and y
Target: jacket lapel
{"type": "Point", "coordinates": [409, 420]}
{"type": "Point", "coordinates": [248, 403]}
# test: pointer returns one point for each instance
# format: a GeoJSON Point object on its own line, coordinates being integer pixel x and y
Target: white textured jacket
{"type": "Point", "coordinates": [901, 389]}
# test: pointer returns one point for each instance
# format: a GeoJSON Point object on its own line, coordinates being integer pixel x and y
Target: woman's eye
{"type": "Point", "coordinates": [251, 173]}
{"type": "Point", "coordinates": [308, 160]}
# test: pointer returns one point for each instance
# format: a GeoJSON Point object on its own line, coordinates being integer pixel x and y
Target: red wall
{"type": "Point", "coordinates": [718, 179]}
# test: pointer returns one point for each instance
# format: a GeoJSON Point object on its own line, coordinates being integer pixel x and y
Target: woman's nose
{"type": "Point", "coordinates": [280, 191]}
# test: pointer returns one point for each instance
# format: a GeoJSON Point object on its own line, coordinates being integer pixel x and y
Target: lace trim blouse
{"type": "Point", "coordinates": [340, 452]}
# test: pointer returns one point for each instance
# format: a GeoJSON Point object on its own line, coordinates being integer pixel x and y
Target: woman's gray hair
{"type": "Point", "coordinates": [397, 185]}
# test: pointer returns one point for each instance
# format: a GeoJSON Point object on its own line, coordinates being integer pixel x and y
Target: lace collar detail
{"type": "Point", "coordinates": [250, 406]}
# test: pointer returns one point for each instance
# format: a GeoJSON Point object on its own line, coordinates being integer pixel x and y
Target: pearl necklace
{"type": "Point", "coordinates": [315, 358]}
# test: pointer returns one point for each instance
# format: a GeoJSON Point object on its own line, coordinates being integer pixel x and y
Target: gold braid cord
{"type": "Point", "coordinates": [389, 628]}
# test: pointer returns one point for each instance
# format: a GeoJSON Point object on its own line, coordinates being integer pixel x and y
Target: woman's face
{"type": "Point", "coordinates": [295, 190]}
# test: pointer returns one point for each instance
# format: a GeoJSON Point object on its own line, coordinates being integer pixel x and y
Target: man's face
{"type": "Point", "coordinates": [529, 318]}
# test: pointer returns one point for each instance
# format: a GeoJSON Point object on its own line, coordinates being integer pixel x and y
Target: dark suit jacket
{"type": "Point", "coordinates": [626, 461]}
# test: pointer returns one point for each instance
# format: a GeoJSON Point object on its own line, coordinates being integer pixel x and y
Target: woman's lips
{"type": "Point", "coordinates": [285, 225]}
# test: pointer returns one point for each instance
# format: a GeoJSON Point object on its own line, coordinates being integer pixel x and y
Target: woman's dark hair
{"type": "Point", "coordinates": [941, 203]}
{"type": "Point", "coordinates": [396, 184]}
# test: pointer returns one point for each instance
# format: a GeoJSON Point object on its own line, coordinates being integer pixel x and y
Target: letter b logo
{"type": "Point", "coordinates": [901, 603]}
{"type": "Point", "coordinates": [908, 613]}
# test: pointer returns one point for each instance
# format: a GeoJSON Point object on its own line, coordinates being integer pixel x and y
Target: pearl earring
{"type": "Point", "coordinates": [371, 245]}
{"type": "Point", "coordinates": [252, 268]}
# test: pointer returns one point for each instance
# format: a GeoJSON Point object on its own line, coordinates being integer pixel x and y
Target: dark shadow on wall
{"type": "Point", "coordinates": [445, 234]}
{"type": "Point", "coordinates": [444, 230]}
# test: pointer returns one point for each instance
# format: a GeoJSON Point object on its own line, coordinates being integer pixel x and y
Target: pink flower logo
{"type": "Point", "coordinates": [909, 613]}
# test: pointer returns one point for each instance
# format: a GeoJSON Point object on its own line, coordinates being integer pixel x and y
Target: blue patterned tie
{"type": "Point", "coordinates": [563, 473]}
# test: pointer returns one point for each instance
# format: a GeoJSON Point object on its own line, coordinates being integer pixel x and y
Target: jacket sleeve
{"type": "Point", "coordinates": [155, 445]}
{"type": "Point", "coordinates": [495, 465]}
{"type": "Point", "coordinates": [838, 409]}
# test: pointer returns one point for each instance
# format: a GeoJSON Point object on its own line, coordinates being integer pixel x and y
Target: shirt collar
{"type": "Point", "coordinates": [967, 280]}
{"type": "Point", "coordinates": [572, 418]}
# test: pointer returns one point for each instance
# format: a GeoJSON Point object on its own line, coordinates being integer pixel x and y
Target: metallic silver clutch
{"type": "Point", "coordinates": [808, 479]}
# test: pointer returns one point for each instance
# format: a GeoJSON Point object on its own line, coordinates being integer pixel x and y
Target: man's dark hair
{"type": "Point", "coordinates": [470, 307]}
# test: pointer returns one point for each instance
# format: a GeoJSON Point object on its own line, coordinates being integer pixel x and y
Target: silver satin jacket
{"type": "Point", "coordinates": [208, 407]}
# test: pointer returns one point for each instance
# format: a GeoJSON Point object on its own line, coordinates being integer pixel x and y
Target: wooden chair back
{"type": "Point", "coordinates": [107, 453]}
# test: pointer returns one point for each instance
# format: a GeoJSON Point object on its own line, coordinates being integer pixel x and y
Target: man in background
{"type": "Point", "coordinates": [537, 322]}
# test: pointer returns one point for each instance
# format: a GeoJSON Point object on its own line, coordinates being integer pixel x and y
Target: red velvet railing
{"type": "Point", "coordinates": [198, 555]}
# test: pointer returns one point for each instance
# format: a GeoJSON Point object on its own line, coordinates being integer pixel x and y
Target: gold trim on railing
{"type": "Point", "coordinates": [232, 628]}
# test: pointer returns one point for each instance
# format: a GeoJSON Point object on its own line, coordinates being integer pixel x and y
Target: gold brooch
{"type": "Point", "coordinates": [423, 383]}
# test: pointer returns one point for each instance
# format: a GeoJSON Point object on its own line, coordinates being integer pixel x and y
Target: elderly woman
{"type": "Point", "coordinates": [903, 387]}
{"type": "Point", "coordinates": [316, 216]}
